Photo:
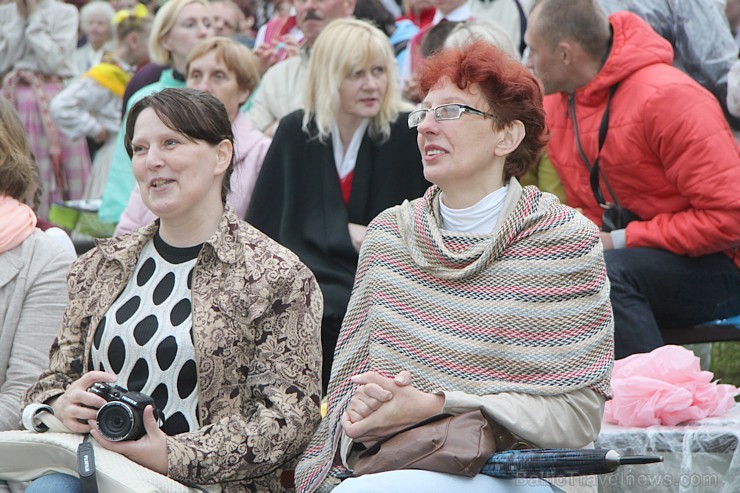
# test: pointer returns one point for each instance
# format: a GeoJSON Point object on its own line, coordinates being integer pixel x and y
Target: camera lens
{"type": "Point", "coordinates": [117, 422]}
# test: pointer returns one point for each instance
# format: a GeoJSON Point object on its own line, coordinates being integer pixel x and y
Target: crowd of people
{"type": "Point", "coordinates": [396, 209]}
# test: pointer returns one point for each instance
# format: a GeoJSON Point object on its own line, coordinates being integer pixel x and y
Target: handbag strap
{"type": "Point", "coordinates": [40, 418]}
{"type": "Point", "coordinates": [593, 168]}
{"type": "Point", "coordinates": [522, 26]}
{"type": "Point", "coordinates": [505, 440]}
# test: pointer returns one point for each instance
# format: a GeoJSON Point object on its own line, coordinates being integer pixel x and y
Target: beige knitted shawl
{"type": "Point", "coordinates": [524, 309]}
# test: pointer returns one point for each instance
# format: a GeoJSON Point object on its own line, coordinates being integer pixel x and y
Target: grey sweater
{"type": "Point", "coordinates": [33, 295]}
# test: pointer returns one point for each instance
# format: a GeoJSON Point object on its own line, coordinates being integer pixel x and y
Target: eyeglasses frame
{"type": "Point", "coordinates": [464, 108]}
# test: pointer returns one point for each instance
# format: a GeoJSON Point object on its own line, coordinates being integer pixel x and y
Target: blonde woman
{"type": "Point", "coordinates": [178, 26]}
{"type": "Point", "coordinates": [335, 165]}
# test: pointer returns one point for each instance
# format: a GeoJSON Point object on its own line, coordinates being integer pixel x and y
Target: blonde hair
{"type": "Point", "coordinates": [163, 22]}
{"type": "Point", "coordinates": [16, 158]}
{"type": "Point", "coordinates": [237, 57]}
{"type": "Point", "coordinates": [343, 47]}
{"type": "Point", "coordinates": [468, 32]}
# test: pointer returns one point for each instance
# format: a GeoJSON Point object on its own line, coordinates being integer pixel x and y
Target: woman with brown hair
{"type": "Point", "coordinates": [228, 70]}
{"type": "Point", "coordinates": [199, 310]}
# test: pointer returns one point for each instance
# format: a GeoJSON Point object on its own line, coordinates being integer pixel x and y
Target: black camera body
{"type": "Point", "coordinates": [616, 217]}
{"type": "Point", "coordinates": [122, 417]}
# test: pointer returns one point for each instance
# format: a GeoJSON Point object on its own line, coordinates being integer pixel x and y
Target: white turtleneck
{"type": "Point", "coordinates": [478, 218]}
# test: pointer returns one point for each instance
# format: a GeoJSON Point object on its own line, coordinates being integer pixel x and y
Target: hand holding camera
{"type": "Point", "coordinates": [76, 407]}
{"type": "Point", "coordinates": [122, 416]}
{"type": "Point", "coordinates": [79, 408]}
{"type": "Point", "coordinates": [128, 423]}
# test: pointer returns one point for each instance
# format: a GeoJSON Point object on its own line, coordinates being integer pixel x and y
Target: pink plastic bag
{"type": "Point", "coordinates": [665, 387]}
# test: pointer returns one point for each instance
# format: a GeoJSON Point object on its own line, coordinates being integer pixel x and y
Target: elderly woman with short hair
{"type": "Point", "coordinates": [95, 24]}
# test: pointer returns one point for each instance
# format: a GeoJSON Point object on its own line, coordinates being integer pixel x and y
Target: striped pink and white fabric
{"type": "Point", "coordinates": [524, 309]}
{"type": "Point", "coordinates": [31, 96]}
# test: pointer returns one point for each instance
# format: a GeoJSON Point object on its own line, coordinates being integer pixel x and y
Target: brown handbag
{"type": "Point", "coordinates": [458, 445]}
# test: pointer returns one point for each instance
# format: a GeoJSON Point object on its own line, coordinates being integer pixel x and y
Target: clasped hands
{"type": "Point", "coordinates": [383, 405]}
{"type": "Point", "coordinates": [77, 409]}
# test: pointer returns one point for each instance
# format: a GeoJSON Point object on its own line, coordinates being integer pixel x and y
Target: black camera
{"type": "Point", "coordinates": [616, 217]}
{"type": "Point", "coordinates": [122, 417]}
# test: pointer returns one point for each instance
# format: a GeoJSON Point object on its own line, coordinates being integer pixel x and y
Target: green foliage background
{"type": "Point", "coordinates": [725, 362]}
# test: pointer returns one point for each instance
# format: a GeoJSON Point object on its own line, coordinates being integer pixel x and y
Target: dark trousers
{"type": "Point", "coordinates": [329, 334]}
{"type": "Point", "coordinates": [654, 289]}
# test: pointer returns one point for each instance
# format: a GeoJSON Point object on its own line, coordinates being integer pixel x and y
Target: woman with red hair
{"type": "Point", "coordinates": [479, 295]}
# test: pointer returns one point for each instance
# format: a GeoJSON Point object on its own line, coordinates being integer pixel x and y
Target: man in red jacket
{"type": "Point", "coordinates": [634, 138]}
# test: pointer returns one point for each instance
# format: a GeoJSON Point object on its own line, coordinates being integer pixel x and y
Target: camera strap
{"type": "Point", "coordinates": [86, 466]}
{"type": "Point", "coordinates": [593, 168]}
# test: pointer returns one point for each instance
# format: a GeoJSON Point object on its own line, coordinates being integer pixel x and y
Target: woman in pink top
{"type": "Point", "coordinates": [228, 70]}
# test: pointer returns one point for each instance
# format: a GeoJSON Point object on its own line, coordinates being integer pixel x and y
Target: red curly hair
{"type": "Point", "coordinates": [510, 89]}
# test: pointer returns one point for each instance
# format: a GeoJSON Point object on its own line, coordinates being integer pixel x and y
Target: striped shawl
{"type": "Point", "coordinates": [524, 309]}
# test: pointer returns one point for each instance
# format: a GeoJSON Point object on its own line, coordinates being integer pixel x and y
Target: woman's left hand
{"type": "Point", "coordinates": [406, 406]}
{"type": "Point", "coordinates": [149, 451]}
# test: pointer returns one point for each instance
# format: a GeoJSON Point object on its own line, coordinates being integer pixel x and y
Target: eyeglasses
{"type": "Point", "coordinates": [452, 111]}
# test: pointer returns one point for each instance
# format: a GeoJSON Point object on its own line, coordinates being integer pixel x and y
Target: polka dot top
{"type": "Point", "coordinates": [145, 337]}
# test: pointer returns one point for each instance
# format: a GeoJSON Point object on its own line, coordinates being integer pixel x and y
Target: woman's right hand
{"type": "Point", "coordinates": [264, 54]}
{"type": "Point", "coordinates": [368, 420]}
{"type": "Point", "coordinates": [76, 405]}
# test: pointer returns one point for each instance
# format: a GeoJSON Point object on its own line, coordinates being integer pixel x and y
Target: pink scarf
{"type": "Point", "coordinates": [17, 222]}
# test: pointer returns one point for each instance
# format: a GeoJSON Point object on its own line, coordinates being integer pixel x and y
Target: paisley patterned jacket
{"type": "Point", "coordinates": [256, 312]}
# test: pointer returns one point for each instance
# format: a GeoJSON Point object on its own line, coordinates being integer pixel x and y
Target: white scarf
{"type": "Point", "coordinates": [345, 159]}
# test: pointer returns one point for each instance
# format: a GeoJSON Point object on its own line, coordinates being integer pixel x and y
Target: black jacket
{"type": "Point", "coordinates": [298, 202]}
